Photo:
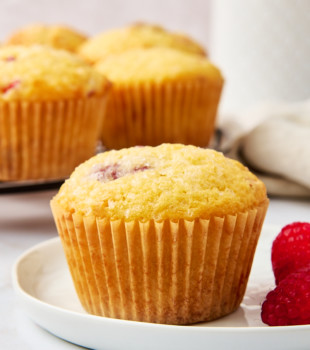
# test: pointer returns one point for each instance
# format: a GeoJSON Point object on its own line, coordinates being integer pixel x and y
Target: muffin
{"type": "Point", "coordinates": [162, 234]}
{"type": "Point", "coordinates": [140, 35]}
{"type": "Point", "coordinates": [160, 95]}
{"type": "Point", "coordinates": [57, 36]}
{"type": "Point", "coordinates": [51, 106]}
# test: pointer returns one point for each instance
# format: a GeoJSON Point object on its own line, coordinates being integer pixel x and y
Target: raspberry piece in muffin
{"type": "Point", "coordinates": [10, 86]}
{"type": "Point", "coordinates": [110, 172]}
{"type": "Point", "coordinates": [10, 59]}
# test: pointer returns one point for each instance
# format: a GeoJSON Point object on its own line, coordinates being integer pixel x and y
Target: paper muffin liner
{"type": "Point", "coordinates": [47, 140]}
{"type": "Point", "coordinates": [167, 112]}
{"type": "Point", "coordinates": [173, 272]}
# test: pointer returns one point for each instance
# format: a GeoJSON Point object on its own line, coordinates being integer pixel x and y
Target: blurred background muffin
{"type": "Point", "coordinates": [51, 105]}
{"type": "Point", "coordinates": [160, 95]}
{"type": "Point", "coordinates": [140, 35]}
{"type": "Point", "coordinates": [57, 36]}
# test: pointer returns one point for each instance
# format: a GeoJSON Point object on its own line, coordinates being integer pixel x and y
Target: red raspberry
{"type": "Point", "coordinates": [291, 249]}
{"type": "Point", "coordinates": [289, 303]}
{"type": "Point", "coordinates": [10, 59]}
{"type": "Point", "coordinates": [114, 171]}
{"type": "Point", "coordinates": [10, 86]}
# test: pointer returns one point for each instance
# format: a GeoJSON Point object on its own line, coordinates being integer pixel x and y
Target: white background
{"type": "Point", "coordinates": [93, 16]}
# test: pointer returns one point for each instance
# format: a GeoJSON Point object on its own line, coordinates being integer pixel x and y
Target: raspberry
{"type": "Point", "coordinates": [289, 303]}
{"type": "Point", "coordinates": [290, 249]}
{"type": "Point", "coordinates": [10, 86]}
{"type": "Point", "coordinates": [109, 172]}
{"type": "Point", "coordinates": [114, 171]}
{"type": "Point", "coordinates": [10, 59]}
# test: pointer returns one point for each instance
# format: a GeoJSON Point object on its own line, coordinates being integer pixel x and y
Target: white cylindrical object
{"type": "Point", "coordinates": [263, 50]}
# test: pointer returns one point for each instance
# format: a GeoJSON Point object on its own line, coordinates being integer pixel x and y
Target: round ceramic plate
{"type": "Point", "coordinates": [42, 282]}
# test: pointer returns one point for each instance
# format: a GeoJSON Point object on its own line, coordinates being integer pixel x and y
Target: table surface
{"type": "Point", "coordinates": [25, 220]}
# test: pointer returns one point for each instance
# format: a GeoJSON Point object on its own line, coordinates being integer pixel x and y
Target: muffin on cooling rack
{"type": "Point", "coordinates": [51, 108]}
{"type": "Point", "coordinates": [140, 35]}
{"type": "Point", "coordinates": [162, 234]}
{"type": "Point", "coordinates": [160, 95]}
{"type": "Point", "coordinates": [57, 36]}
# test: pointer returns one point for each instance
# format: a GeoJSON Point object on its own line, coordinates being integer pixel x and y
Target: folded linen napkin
{"type": "Point", "coordinates": [277, 149]}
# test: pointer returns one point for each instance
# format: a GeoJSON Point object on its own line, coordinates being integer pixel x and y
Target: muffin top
{"type": "Point", "coordinates": [157, 65]}
{"type": "Point", "coordinates": [170, 181]}
{"type": "Point", "coordinates": [57, 36]}
{"type": "Point", "coordinates": [40, 73]}
{"type": "Point", "coordinates": [140, 35]}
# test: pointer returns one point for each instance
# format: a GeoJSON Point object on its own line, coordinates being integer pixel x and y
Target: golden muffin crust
{"type": "Point", "coordinates": [170, 181]}
{"type": "Point", "coordinates": [140, 35]}
{"type": "Point", "coordinates": [157, 65]}
{"type": "Point", "coordinates": [40, 73]}
{"type": "Point", "coordinates": [57, 36]}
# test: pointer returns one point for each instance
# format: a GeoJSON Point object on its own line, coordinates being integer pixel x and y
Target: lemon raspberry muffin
{"type": "Point", "coordinates": [140, 35]}
{"type": "Point", "coordinates": [57, 36]}
{"type": "Point", "coordinates": [160, 234]}
{"type": "Point", "coordinates": [51, 105]}
{"type": "Point", "coordinates": [160, 95]}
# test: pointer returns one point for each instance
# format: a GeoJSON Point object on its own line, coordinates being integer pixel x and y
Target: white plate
{"type": "Point", "coordinates": [44, 287]}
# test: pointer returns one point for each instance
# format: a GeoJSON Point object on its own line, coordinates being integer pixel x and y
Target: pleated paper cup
{"type": "Point", "coordinates": [173, 272]}
{"type": "Point", "coordinates": [167, 112]}
{"type": "Point", "coordinates": [47, 140]}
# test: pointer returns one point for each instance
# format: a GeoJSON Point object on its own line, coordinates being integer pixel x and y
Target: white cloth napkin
{"type": "Point", "coordinates": [277, 149]}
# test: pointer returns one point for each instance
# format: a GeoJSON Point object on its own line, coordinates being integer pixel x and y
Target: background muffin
{"type": "Point", "coordinates": [51, 105]}
{"type": "Point", "coordinates": [164, 234]}
{"type": "Point", "coordinates": [141, 35]}
{"type": "Point", "coordinates": [57, 36]}
{"type": "Point", "coordinates": [160, 95]}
